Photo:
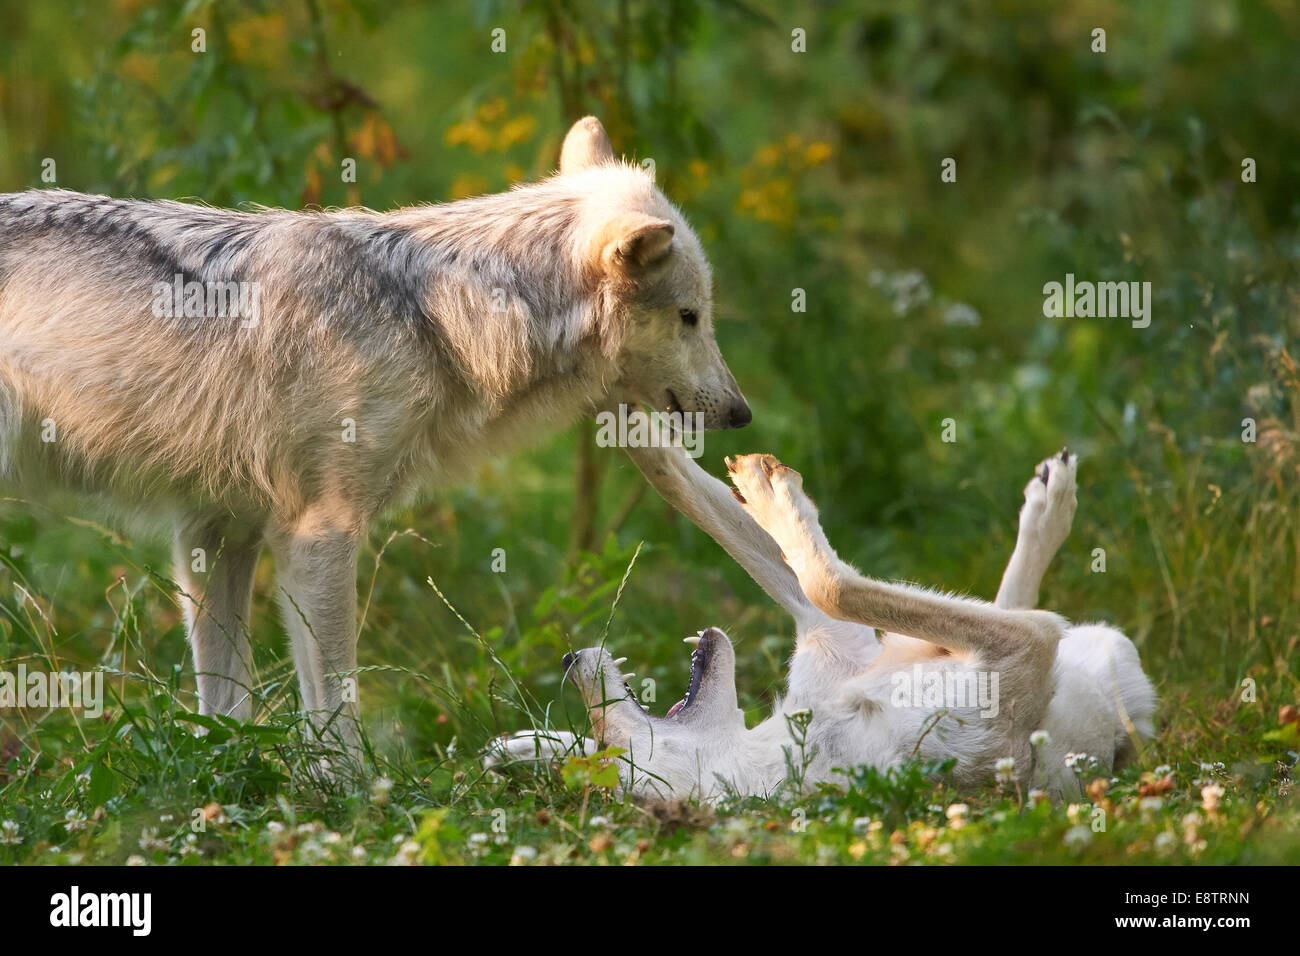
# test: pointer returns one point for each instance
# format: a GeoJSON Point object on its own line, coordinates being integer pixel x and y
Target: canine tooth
{"type": "Point", "coordinates": [620, 662]}
{"type": "Point", "coordinates": [691, 640]}
{"type": "Point", "coordinates": [629, 675]}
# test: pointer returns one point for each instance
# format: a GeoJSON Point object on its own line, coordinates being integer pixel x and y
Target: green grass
{"type": "Point", "coordinates": [138, 784]}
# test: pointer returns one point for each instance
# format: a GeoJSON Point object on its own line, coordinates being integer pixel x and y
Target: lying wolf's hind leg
{"type": "Point", "coordinates": [773, 495]}
{"type": "Point", "coordinates": [1045, 520]}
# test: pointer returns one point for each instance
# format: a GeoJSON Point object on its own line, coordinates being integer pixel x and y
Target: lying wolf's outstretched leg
{"type": "Point", "coordinates": [1045, 521]}
{"type": "Point", "coordinates": [535, 746]}
{"type": "Point", "coordinates": [773, 495]}
{"type": "Point", "coordinates": [213, 564]}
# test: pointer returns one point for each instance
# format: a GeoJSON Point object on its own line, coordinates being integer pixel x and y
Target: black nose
{"type": "Point", "coordinates": [740, 415]}
{"type": "Point", "coordinates": [568, 660]}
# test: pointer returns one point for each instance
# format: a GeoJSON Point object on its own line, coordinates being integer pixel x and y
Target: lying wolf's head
{"type": "Point", "coordinates": [669, 748]}
{"type": "Point", "coordinates": [653, 275]}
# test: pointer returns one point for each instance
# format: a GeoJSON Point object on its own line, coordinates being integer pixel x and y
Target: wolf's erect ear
{"type": "Point", "coordinates": [634, 241]}
{"type": "Point", "coordinates": [587, 144]}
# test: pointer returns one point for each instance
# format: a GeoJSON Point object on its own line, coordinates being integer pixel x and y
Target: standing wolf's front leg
{"type": "Point", "coordinates": [316, 563]}
{"type": "Point", "coordinates": [1045, 521]}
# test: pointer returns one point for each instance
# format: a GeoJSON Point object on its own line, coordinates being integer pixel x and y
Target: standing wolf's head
{"type": "Point", "coordinates": [653, 275]}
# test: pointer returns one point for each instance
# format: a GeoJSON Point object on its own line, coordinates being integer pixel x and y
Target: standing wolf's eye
{"type": "Point", "coordinates": [689, 316]}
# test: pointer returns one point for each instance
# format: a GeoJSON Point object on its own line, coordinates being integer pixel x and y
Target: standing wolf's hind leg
{"type": "Point", "coordinates": [214, 563]}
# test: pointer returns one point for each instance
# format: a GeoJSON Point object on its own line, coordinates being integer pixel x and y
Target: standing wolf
{"type": "Point", "coordinates": [283, 377]}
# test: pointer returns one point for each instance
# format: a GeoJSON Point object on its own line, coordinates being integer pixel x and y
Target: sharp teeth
{"type": "Point", "coordinates": [620, 662]}
{"type": "Point", "coordinates": [629, 675]}
{"type": "Point", "coordinates": [691, 640]}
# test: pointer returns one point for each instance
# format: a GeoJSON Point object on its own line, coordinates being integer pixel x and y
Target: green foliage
{"type": "Point", "coordinates": [895, 795]}
{"type": "Point", "coordinates": [599, 770]}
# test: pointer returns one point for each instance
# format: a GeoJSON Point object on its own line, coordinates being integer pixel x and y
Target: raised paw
{"type": "Point", "coordinates": [773, 495]}
{"type": "Point", "coordinates": [1050, 501]}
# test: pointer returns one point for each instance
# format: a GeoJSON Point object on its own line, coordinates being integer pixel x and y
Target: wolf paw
{"type": "Point", "coordinates": [531, 746]}
{"type": "Point", "coordinates": [773, 495]}
{"type": "Point", "coordinates": [1050, 501]}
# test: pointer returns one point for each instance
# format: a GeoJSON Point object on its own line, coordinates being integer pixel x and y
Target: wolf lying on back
{"type": "Point", "coordinates": [1084, 684]}
{"type": "Point", "coordinates": [385, 353]}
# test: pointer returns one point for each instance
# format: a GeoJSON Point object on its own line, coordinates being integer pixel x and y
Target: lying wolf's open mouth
{"type": "Point", "coordinates": [699, 662]}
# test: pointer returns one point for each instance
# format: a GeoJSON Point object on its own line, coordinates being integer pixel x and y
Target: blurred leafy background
{"type": "Point", "coordinates": [817, 171]}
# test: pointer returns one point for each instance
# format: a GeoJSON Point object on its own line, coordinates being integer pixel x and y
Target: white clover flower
{"type": "Point", "coordinates": [379, 791]}
{"type": "Point", "coordinates": [1165, 841]}
{"type": "Point", "coordinates": [860, 824]}
{"type": "Point", "coordinates": [1077, 837]}
{"type": "Point", "coordinates": [1005, 769]}
{"type": "Point", "coordinates": [1071, 759]}
{"type": "Point", "coordinates": [9, 833]}
{"type": "Point", "coordinates": [523, 856]}
{"type": "Point", "coordinates": [598, 821]}
{"type": "Point", "coordinates": [1163, 770]}
{"type": "Point", "coordinates": [74, 821]}
{"type": "Point", "coordinates": [1037, 796]}
{"type": "Point", "coordinates": [149, 839]}
{"type": "Point", "coordinates": [1040, 738]}
{"type": "Point", "coordinates": [312, 852]}
{"type": "Point", "coordinates": [358, 853]}
{"type": "Point", "coordinates": [959, 313]}
{"type": "Point", "coordinates": [136, 859]}
{"type": "Point", "coordinates": [407, 854]}
{"type": "Point", "coordinates": [275, 828]}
